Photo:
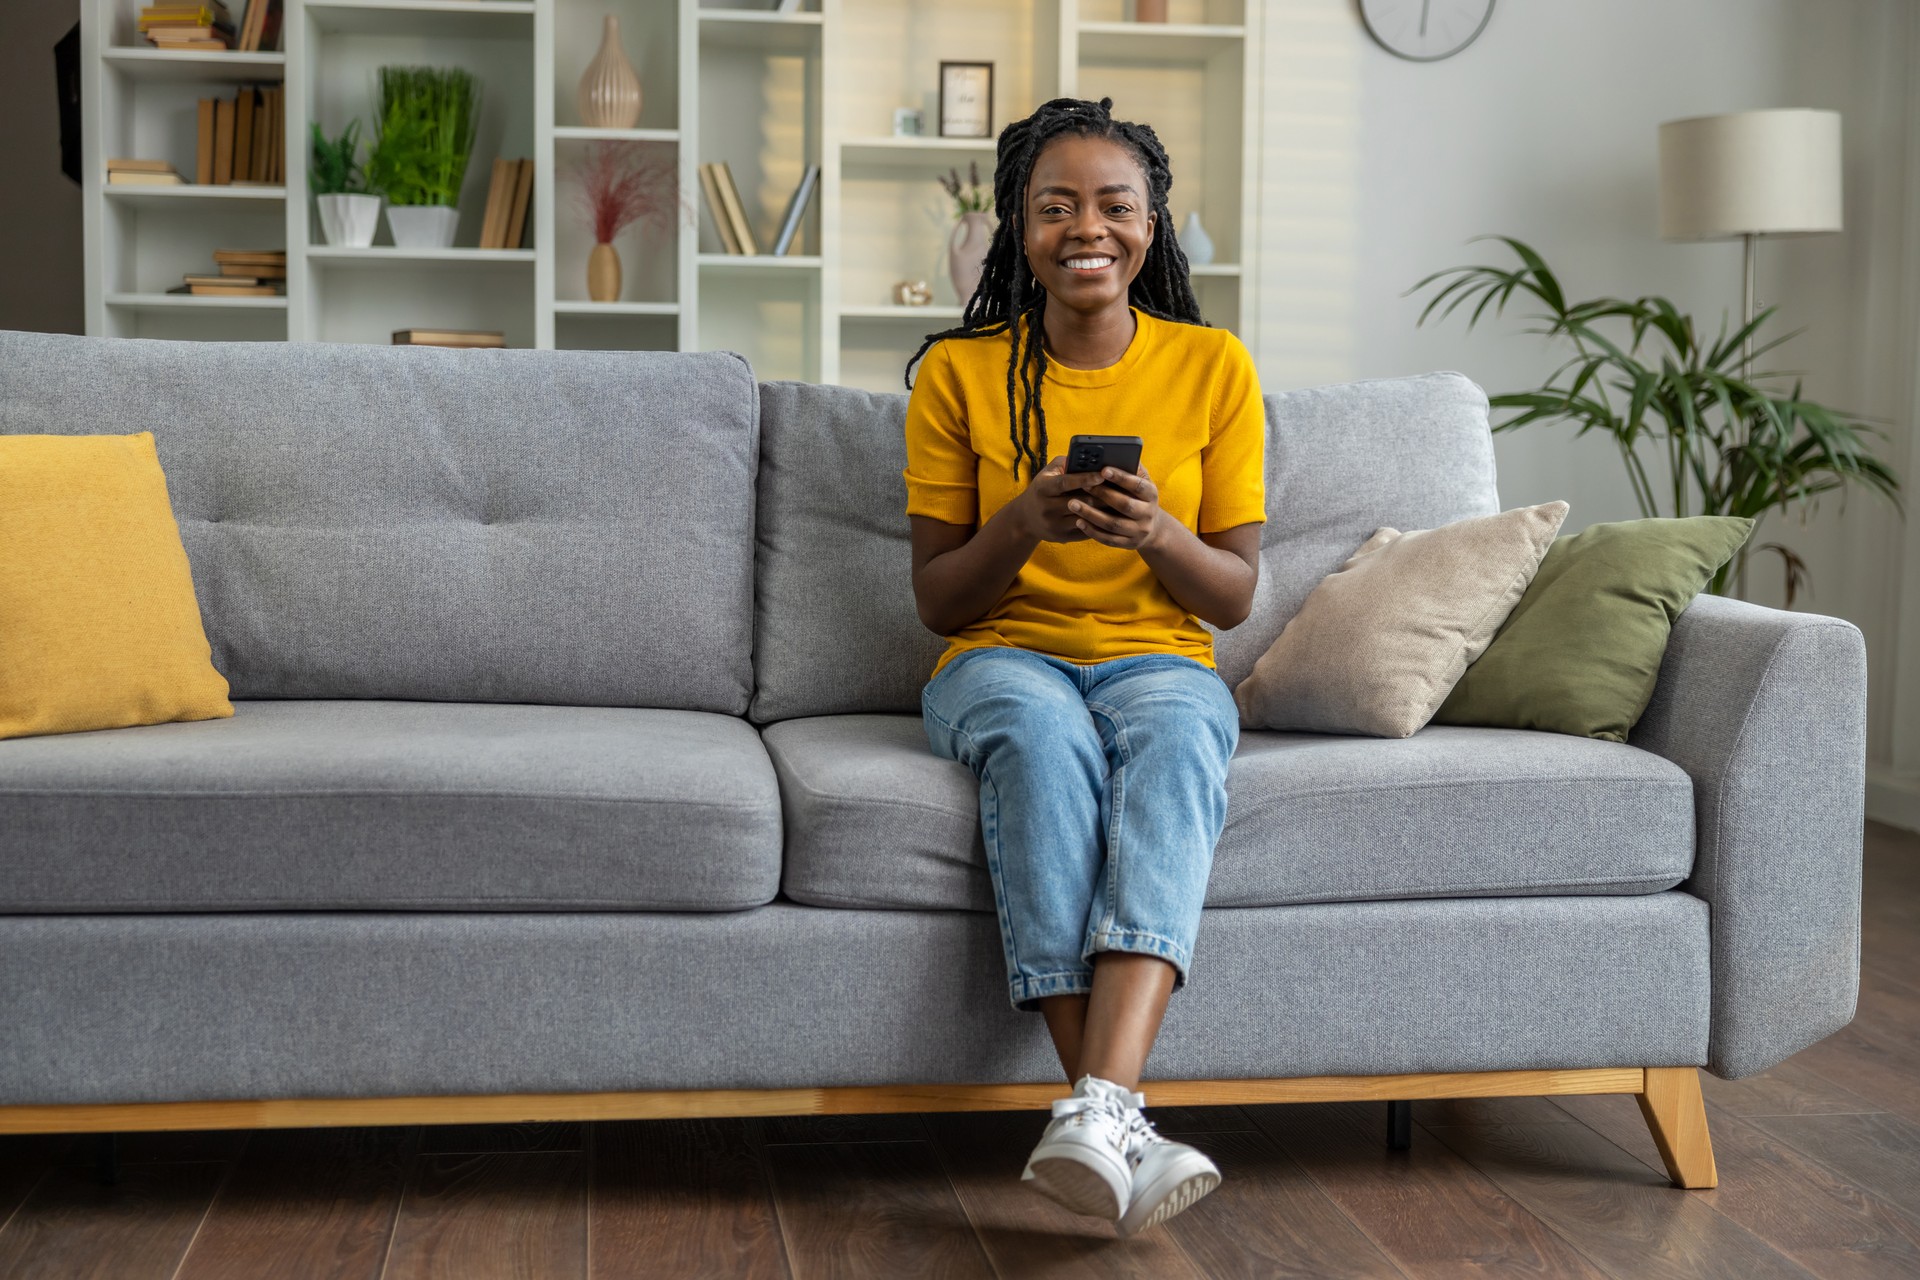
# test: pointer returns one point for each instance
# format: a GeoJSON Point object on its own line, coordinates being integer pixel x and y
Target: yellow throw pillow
{"type": "Point", "coordinates": [99, 627]}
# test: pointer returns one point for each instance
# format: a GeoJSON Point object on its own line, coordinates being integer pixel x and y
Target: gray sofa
{"type": "Point", "coordinates": [577, 754]}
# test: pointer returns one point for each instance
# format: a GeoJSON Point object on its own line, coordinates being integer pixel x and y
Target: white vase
{"type": "Point", "coordinates": [422, 226]}
{"type": "Point", "coordinates": [349, 220]}
{"type": "Point", "coordinates": [1195, 240]}
{"type": "Point", "coordinates": [609, 90]}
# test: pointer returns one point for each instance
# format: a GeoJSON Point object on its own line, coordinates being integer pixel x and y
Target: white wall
{"type": "Point", "coordinates": [1377, 171]}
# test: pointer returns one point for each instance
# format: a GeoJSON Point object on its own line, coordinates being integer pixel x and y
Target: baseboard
{"type": "Point", "coordinates": [1893, 798]}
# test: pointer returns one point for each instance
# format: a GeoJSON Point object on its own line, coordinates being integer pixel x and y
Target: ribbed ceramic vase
{"type": "Point", "coordinates": [609, 90]}
{"type": "Point", "coordinates": [603, 274]}
{"type": "Point", "coordinates": [967, 252]}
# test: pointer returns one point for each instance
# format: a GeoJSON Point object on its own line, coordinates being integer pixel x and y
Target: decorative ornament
{"type": "Point", "coordinates": [913, 293]}
{"type": "Point", "coordinates": [609, 89]}
{"type": "Point", "coordinates": [621, 183]}
{"type": "Point", "coordinates": [1195, 241]}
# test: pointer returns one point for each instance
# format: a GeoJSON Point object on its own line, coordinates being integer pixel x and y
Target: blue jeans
{"type": "Point", "coordinates": [1103, 790]}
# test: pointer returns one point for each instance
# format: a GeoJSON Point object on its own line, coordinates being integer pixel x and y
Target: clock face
{"type": "Point", "coordinates": [1425, 30]}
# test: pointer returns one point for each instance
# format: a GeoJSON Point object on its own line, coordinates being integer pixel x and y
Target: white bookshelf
{"type": "Point", "coordinates": [727, 80]}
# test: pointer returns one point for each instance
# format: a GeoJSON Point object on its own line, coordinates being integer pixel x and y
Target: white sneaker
{"type": "Point", "coordinates": [1168, 1176]}
{"type": "Point", "coordinates": [1081, 1160]}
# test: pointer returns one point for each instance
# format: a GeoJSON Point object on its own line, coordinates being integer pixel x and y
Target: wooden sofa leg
{"type": "Point", "coordinates": [1677, 1117]}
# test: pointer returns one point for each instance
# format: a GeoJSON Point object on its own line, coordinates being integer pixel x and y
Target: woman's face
{"type": "Point", "coordinates": [1088, 222]}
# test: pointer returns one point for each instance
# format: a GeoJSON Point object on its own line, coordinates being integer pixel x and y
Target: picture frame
{"type": "Point", "coordinates": [908, 122]}
{"type": "Point", "coordinates": [966, 99]}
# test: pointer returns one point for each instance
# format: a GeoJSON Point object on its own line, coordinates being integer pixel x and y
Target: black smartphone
{"type": "Point", "coordinates": [1091, 453]}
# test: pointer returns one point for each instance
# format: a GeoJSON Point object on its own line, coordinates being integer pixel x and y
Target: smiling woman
{"type": "Point", "coordinates": [1078, 682]}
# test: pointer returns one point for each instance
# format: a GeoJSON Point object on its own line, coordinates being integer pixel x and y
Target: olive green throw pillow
{"type": "Point", "coordinates": [1581, 651]}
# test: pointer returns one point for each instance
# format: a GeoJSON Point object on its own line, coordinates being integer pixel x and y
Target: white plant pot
{"type": "Point", "coordinates": [349, 220]}
{"type": "Point", "coordinates": [422, 226]}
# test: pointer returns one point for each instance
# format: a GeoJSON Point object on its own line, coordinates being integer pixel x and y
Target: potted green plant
{"type": "Point", "coordinates": [423, 137]}
{"type": "Point", "coordinates": [1733, 442]}
{"type": "Point", "coordinates": [348, 212]}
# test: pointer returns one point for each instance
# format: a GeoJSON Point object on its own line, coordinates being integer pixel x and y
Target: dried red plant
{"type": "Point", "coordinates": [621, 183]}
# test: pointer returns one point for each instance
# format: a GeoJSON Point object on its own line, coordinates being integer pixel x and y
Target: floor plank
{"type": "Point", "coordinates": [1429, 1210]}
{"type": "Point", "coordinates": [305, 1204]}
{"type": "Point", "coordinates": [1621, 1215]}
{"type": "Point", "coordinates": [520, 1214]}
{"type": "Point", "coordinates": [1791, 1089]}
{"type": "Point", "coordinates": [1793, 1202]}
{"type": "Point", "coordinates": [1878, 1153]}
{"type": "Point", "coordinates": [25, 1158]}
{"type": "Point", "coordinates": [75, 1227]}
{"type": "Point", "coordinates": [1877, 1055]}
{"type": "Point", "coordinates": [681, 1198]}
{"type": "Point", "coordinates": [1023, 1232]}
{"type": "Point", "coordinates": [871, 1211]}
{"type": "Point", "coordinates": [1270, 1219]}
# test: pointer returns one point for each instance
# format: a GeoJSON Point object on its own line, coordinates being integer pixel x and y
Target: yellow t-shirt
{"type": "Point", "coordinates": [1190, 393]}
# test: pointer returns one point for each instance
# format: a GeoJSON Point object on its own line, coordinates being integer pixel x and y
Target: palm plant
{"type": "Point", "coordinates": [423, 134]}
{"type": "Point", "coordinates": [1735, 442]}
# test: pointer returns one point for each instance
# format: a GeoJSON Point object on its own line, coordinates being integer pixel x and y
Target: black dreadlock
{"type": "Point", "coordinates": [1008, 289]}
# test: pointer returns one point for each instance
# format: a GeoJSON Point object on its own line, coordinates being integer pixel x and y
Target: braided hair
{"type": "Point", "coordinates": [1008, 290]}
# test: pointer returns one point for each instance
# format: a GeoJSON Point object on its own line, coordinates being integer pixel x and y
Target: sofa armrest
{"type": "Point", "coordinates": [1766, 711]}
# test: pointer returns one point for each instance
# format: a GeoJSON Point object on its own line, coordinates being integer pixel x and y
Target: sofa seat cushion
{"type": "Point", "coordinates": [393, 806]}
{"type": "Point", "coordinates": [875, 819]}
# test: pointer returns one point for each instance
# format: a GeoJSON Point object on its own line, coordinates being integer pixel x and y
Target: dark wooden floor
{"type": "Point", "coordinates": [1819, 1175]}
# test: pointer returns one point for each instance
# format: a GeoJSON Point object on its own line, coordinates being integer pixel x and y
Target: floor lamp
{"type": "Point", "coordinates": [1749, 174]}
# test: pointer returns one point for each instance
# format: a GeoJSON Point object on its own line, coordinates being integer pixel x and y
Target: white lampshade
{"type": "Point", "coordinates": [1752, 172]}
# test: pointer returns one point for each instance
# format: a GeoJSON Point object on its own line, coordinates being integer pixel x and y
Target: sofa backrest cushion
{"type": "Point", "coordinates": [835, 626]}
{"type": "Point", "coordinates": [419, 523]}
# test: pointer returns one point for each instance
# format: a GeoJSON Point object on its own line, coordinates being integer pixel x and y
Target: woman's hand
{"type": "Point", "coordinates": [1045, 515]}
{"type": "Point", "coordinates": [1130, 516]}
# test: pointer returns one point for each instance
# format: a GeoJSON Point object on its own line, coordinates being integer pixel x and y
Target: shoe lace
{"type": "Point", "coordinates": [1116, 1110]}
{"type": "Point", "coordinates": [1139, 1135]}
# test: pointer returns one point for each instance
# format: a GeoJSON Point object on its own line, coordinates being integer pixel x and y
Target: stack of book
{"type": "Point", "coordinates": [730, 215]}
{"type": "Point", "coordinates": [142, 173]}
{"type": "Point", "coordinates": [202, 24]}
{"type": "Point", "coordinates": [505, 226]}
{"type": "Point", "coordinates": [449, 338]}
{"type": "Point", "coordinates": [241, 273]}
{"type": "Point", "coordinates": [243, 141]}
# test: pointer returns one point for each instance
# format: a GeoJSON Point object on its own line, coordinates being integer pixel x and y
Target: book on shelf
{"type": "Point", "coordinates": [796, 209]}
{"type": "Point", "coordinates": [716, 208]}
{"type": "Point", "coordinates": [508, 195]}
{"type": "Point", "coordinates": [449, 338]}
{"type": "Point", "coordinates": [127, 164]}
{"type": "Point", "coordinates": [251, 258]}
{"type": "Point", "coordinates": [522, 199]}
{"type": "Point", "coordinates": [242, 140]}
{"type": "Point", "coordinates": [736, 209]}
{"type": "Point", "coordinates": [227, 289]}
{"type": "Point", "coordinates": [136, 178]}
{"type": "Point", "coordinates": [243, 135]}
{"type": "Point", "coordinates": [193, 278]}
{"type": "Point", "coordinates": [260, 26]}
{"type": "Point", "coordinates": [222, 142]}
{"type": "Point", "coordinates": [493, 225]}
{"type": "Point", "coordinates": [257, 270]}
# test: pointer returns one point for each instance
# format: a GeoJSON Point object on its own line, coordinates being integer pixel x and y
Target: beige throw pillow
{"type": "Point", "coordinates": [1380, 642]}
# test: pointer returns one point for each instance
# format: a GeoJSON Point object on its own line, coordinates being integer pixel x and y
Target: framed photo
{"type": "Point", "coordinates": [966, 99]}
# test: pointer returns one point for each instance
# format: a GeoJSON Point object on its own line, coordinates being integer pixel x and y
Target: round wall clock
{"type": "Point", "coordinates": [1425, 30]}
